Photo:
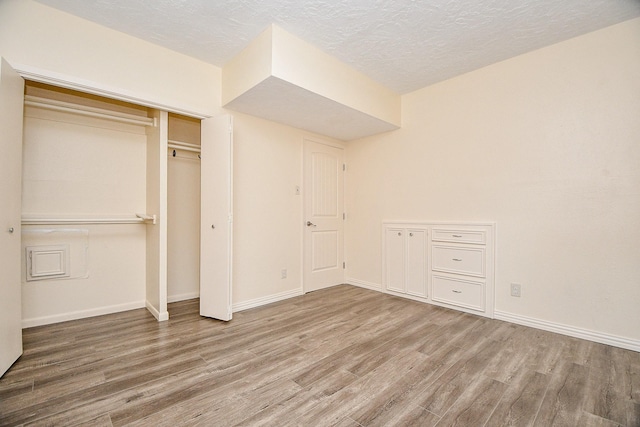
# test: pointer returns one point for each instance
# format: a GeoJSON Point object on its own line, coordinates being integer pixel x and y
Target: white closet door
{"type": "Point", "coordinates": [216, 216]}
{"type": "Point", "coordinates": [11, 107]}
{"type": "Point", "coordinates": [324, 207]}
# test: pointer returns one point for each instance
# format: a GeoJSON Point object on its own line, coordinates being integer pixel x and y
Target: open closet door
{"type": "Point", "coordinates": [216, 217]}
{"type": "Point", "coordinates": [11, 112]}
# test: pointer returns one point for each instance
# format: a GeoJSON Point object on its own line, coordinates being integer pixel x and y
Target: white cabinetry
{"type": "Point", "coordinates": [406, 260]}
{"type": "Point", "coordinates": [448, 264]}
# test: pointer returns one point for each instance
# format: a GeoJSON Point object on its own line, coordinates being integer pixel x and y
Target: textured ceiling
{"type": "Point", "coordinates": [403, 44]}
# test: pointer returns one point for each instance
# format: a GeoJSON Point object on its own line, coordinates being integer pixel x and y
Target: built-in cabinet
{"type": "Point", "coordinates": [448, 264]}
{"type": "Point", "coordinates": [406, 260]}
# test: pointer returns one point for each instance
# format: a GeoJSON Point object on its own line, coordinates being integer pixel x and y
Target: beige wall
{"type": "Point", "coordinates": [267, 155]}
{"type": "Point", "coordinates": [85, 167]}
{"type": "Point", "coordinates": [267, 212]}
{"type": "Point", "coordinates": [546, 145]}
{"type": "Point", "coordinates": [44, 38]}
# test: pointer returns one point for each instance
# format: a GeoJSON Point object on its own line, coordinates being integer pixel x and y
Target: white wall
{"type": "Point", "coordinates": [268, 156]}
{"type": "Point", "coordinates": [268, 214]}
{"type": "Point", "coordinates": [41, 37]}
{"type": "Point", "coordinates": [36, 37]}
{"type": "Point", "coordinates": [78, 166]}
{"type": "Point", "coordinates": [546, 145]}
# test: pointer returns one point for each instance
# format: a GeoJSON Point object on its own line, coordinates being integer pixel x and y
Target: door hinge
{"type": "Point", "coordinates": [344, 265]}
{"type": "Point", "coordinates": [344, 216]}
{"type": "Point", "coordinates": [344, 167]}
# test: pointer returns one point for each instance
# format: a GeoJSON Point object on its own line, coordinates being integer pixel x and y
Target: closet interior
{"type": "Point", "coordinates": [110, 206]}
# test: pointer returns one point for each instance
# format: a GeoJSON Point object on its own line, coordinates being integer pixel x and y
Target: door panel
{"type": "Point", "coordinates": [216, 216]}
{"type": "Point", "coordinates": [416, 262]}
{"type": "Point", "coordinates": [395, 259]}
{"type": "Point", "coordinates": [11, 114]}
{"type": "Point", "coordinates": [323, 237]}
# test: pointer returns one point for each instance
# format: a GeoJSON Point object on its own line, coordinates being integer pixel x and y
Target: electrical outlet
{"type": "Point", "coordinates": [283, 273]}
{"type": "Point", "coordinates": [516, 290]}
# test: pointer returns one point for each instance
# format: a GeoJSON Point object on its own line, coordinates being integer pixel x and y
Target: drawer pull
{"type": "Point", "coordinates": [456, 291]}
{"type": "Point", "coordinates": [456, 235]}
{"type": "Point", "coordinates": [410, 234]}
{"type": "Point", "coordinates": [457, 259]}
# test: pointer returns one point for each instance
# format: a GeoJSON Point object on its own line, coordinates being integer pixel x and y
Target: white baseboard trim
{"type": "Point", "coordinates": [81, 314]}
{"type": "Point", "coordinates": [183, 297]}
{"type": "Point", "coordinates": [571, 331]}
{"type": "Point", "coordinates": [161, 317]}
{"type": "Point", "coordinates": [364, 284]}
{"type": "Point", "coordinates": [245, 305]}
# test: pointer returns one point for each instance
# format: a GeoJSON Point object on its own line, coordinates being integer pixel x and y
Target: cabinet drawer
{"type": "Point", "coordinates": [458, 260]}
{"type": "Point", "coordinates": [463, 293]}
{"type": "Point", "coordinates": [478, 237]}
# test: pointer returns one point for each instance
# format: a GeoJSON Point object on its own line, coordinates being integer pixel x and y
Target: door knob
{"type": "Point", "coordinates": [10, 230]}
{"type": "Point", "coordinates": [310, 224]}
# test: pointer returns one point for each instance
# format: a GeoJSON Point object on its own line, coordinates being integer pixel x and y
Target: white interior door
{"type": "Point", "coordinates": [324, 208]}
{"type": "Point", "coordinates": [11, 113]}
{"type": "Point", "coordinates": [216, 217]}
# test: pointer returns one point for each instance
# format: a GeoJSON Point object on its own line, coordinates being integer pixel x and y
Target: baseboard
{"type": "Point", "coordinates": [245, 305]}
{"type": "Point", "coordinates": [81, 314]}
{"type": "Point", "coordinates": [571, 331]}
{"type": "Point", "coordinates": [183, 297]}
{"type": "Point", "coordinates": [363, 284]}
{"type": "Point", "coordinates": [161, 317]}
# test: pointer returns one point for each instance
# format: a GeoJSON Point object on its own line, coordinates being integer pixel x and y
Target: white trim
{"type": "Point", "coordinates": [161, 317]}
{"type": "Point", "coordinates": [183, 297]}
{"type": "Point", "coordinates": [81, 314]}
{"type": "Point", "coordinates": [74, 83]}
{"type": "Point", "coordinates": [572, 331]}
{"type": "Point", "coordinates": [364, 284]}
{"type": "Point", "coordinates": [257, 302]}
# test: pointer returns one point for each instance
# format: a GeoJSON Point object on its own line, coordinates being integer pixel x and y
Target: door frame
{"type": "Point", "coordinates": [315, 140]}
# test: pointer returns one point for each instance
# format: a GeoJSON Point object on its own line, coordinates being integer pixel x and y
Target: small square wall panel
{"type": "Point", "coordinates": [47, 262]}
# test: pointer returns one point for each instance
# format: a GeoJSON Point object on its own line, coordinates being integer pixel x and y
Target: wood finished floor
{"type": "Point", "coordinates": [343, 356]}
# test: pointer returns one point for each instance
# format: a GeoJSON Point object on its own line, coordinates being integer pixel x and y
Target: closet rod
{"type": "Point", "coordinates": [183, 145]}
{"type": "Point", "coordinates": [139, 219]}
{"type": "Point", "coordinates": [81, 110]}
{"type": "Point", "coordinates": [178, 147]}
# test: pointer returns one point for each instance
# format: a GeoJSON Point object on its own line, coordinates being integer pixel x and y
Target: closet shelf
{"type": "Point", "coordinates": [113, 219]}
{"type": "Point", "coordinates": [82, 110]}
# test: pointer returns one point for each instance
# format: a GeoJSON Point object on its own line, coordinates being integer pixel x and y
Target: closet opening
{"type": "Point", "coordinates": [183, 208]}
{"type": "Point", "coordinates": [118, 185]}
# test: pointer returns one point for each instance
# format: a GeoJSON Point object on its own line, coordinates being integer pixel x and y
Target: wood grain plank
{"type": "Point", "coordinates": [564, 397]}
{"type": "Point", "coordinates": [475, 405]}
{"type": "Point", "coordinates": [521, 400]}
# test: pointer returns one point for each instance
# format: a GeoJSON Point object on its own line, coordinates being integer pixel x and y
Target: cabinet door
{"type": "Point", "coordinates": [395, 259]}
{"type": "Point", "coordinates": [216, 216]}
{"type": "Point", "coordinates": [11, 99]}
{"type": "Point", "coordinates": [416, 262]}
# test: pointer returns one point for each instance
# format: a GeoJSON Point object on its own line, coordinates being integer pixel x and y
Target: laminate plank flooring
{"type": "Point", "coordinates": [342, 356]}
